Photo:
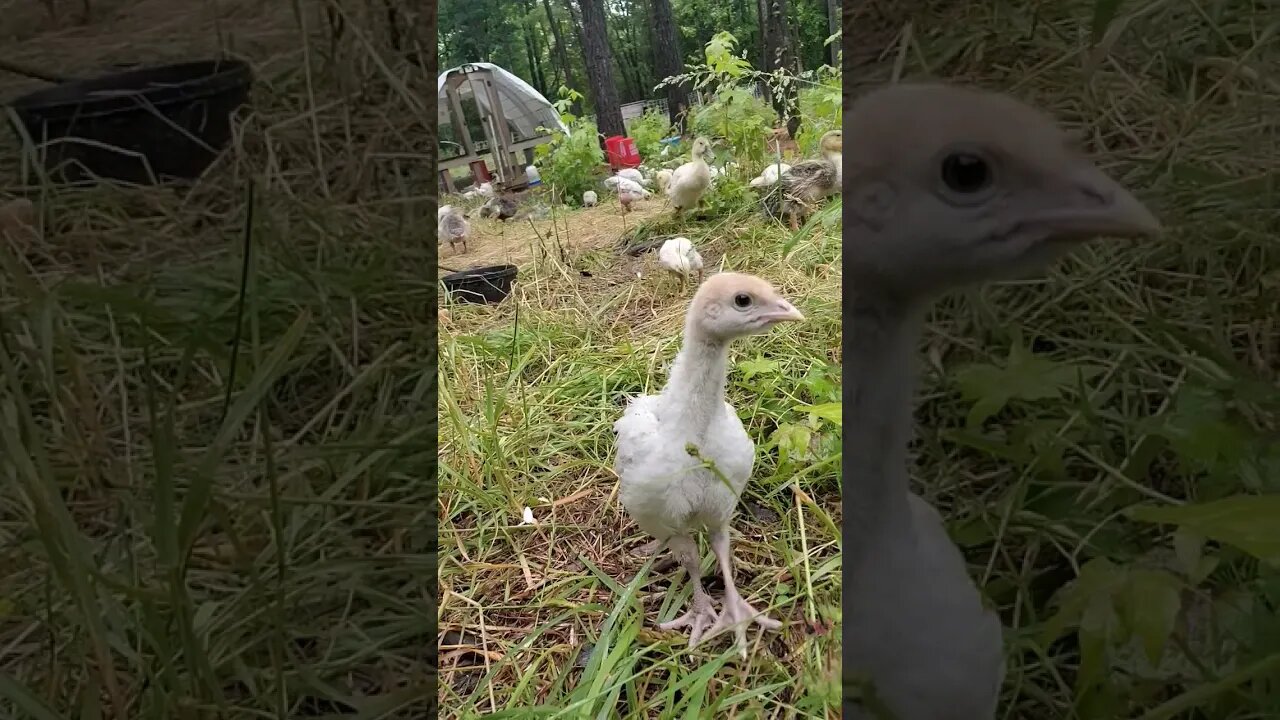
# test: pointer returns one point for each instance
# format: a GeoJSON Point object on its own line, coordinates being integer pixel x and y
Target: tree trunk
{"type": "Point", "coordinates": [669, 61]}
{"type": "Point", "coordinates": [599, 60]}
{"type": "Point", "coordinates": [833, 27]}
{"type": "Point", "coordinates": [528, 53]}
{"type": "Point", "coordinates": [560, 51]}
{"type": "Point", "coordinates": [778, 55]}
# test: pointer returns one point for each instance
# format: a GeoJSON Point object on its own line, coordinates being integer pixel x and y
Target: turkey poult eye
{"type": "Point", "coordinates": [965, 173]}
{"type": "Point", "coordinates": [742, 300]}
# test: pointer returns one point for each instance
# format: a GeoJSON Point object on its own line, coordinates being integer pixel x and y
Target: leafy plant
{"type": "Point", "coordinates": [734, 113]}
{"type": "Point", "coordinates": [568, 163]}
{"type": "Point", "coordinates": [1023, 376]}
{"type": "Point", "coordinates": [821, 107]}
{"type": "Point", "coordinates": [728, 194]}
{"type": "Point", "coordinates": [648, 131]}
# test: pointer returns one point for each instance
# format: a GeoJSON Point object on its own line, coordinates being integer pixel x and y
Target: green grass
{"type": "Point", "coordinates": [528, 395]}
{"type": "Point", "coordinates": [215, 466]}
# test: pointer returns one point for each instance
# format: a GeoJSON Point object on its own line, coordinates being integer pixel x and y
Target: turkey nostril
{"type": "Point", "coordinates": [1096, 196]}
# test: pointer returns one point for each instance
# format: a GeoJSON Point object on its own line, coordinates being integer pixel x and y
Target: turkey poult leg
{"type": "Point", "coordinates": [735, 613]}
{"type": "Point", "coordinates": [700, 615]}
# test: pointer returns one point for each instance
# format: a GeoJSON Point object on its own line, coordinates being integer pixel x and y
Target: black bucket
{"type": "Point", "coordinates": [172, 119]}
{"type": "Point", "coordinates": [485, 285]}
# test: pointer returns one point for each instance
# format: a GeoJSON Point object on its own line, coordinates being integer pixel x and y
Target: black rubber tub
{"type": "Point", "coordinates": [483, 285]}
{"type": "Point", "coordinates": [141, 126]}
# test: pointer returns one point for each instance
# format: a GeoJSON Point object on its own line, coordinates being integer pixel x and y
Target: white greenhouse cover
{"type": "Point", "coordinates": [526, 109]}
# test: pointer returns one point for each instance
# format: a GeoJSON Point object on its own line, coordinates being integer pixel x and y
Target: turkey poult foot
{"type": "Point", "coordinates": [698, 619]}
{"type": "Point", "coordinates": [736, 614]}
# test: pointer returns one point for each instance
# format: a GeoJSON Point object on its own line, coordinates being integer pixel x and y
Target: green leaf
{"type": "Point", "coordinates": [1099, 578]}
{"type": "Point", "coordinates": [1151, 601]}
{"type": "Point", "coordinates": [792, 440]}
{"type": "Point", "coordinates": [758, 366]}
{"type": "Point", "coordinates": [1248, 522]}
{"type": "Point", "coordinates": [1024, 376]}
{"type": "Point", "coordinates": [831, 412]}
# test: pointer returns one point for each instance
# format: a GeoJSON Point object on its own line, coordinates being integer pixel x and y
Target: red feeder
{"type": "Point", "coordinates": [621, 151]}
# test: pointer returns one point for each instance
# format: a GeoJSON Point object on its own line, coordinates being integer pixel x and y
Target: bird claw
{"type": "Point", "coordinates": [737, 614]}
{"type": "Point", "coordinates": [699, 617]}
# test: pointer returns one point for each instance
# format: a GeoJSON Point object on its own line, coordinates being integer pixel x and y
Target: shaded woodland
{"type": "Point", "coordinates": [542, 40]}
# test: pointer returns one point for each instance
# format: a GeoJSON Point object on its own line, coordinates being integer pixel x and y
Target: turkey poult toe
{"type": "Point", "coordinates": [737, 615]}
{"type": "Point", "coordinates": [698, 619]}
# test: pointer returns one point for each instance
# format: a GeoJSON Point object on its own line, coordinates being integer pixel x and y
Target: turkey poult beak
{"type": "Point", "coordinates": [1100, 208]}
{"type": "Point", "coordinates": [781, 311]}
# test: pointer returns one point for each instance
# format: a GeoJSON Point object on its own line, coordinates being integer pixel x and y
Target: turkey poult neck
{"type": "Point", "coordinates": [880, 337]}
{"type": "Point", "coordinates": [695, 388]}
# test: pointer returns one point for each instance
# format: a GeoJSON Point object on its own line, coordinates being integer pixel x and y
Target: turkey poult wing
{"type": "Point", "coordinates": [811, 179]}
{"type": "Point", "coordinates": [664, 488]}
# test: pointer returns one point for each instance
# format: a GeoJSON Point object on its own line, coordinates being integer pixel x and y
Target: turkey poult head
{"type": "Point", "coordinates": [701, 149]}
{"type": "Point", "coordinates": [734, 305]}
{"type": "Point", "coordinates": [832, 141]}
{"type": "Point", "coordinates": [956, 185]}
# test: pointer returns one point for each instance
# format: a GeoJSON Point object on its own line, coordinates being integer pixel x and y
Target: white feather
{"type": "Point", "coordinates": [664, 489]}
{"type": "Point", "coordinates": [631, 174]}
{"type": "Point", "coordinates": [770, 174]}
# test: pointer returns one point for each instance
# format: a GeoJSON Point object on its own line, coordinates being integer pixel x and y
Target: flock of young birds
{"type": "Point", "coordinates": [790, 191]}
{"type": "Point", "coordinates": [948, 186]}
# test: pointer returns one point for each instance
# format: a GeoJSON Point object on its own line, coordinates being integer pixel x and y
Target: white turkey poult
{"type": "Point", "coordinates": [670, 493]}
{"type": "Point", "coordinates": [948, 187]}
{"type": "Point", "coordinates": [452, 227]}
{"type": "Point", "coordinates": [589, 198]}
{"type": "Point", "coordinates": [633, 175]}
{"type": "Point", "coordinates": [662, 179]}
{"type": "Point", "coordinates": [690, 181]}
{"type": "Point", "coordinates": [629, 192]}
{"type": "Point", "coordinates": [770, 175]}
{"type": "Point", "coordinates": [679, 256]}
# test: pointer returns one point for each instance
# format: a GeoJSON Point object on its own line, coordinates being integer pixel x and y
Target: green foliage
{"type": "Point", "coordinates": [738, 117]}
{"type": "Point", "coordinates": [728, 194]}
{"type": "Point", "coordinates": [568, 164]}
{"type": "Point", "coordinates": [648, 131]}
{"type": "Point", "coordinates": [565, 98]}
{"type": "Point", "coordinates": [1248, 522]}
{"type": "Point", "coordinates": [1023, 376]}
{"type": "Point", "coordinates": [821, 110]}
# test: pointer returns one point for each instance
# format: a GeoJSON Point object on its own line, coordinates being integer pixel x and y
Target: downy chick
{"type": "Point", "coordinates": [808, 183]}
{"type": "Point", "coordinates": [452, 227]}
{"type": "Point", "coordinates": [770, 174]}
{"type": "Point", "coordinates": [680, 257]}
{"type": "Point", "coordinates": [671, 494]}
{"type": "Point", "coordinates": [630, 191]}
{"type": "Point", "coordinates": [501, 208]}
{"type": "Point", "coordinates": [662, 179]}
{"type": "Point", "coordinates": [690, 181]}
